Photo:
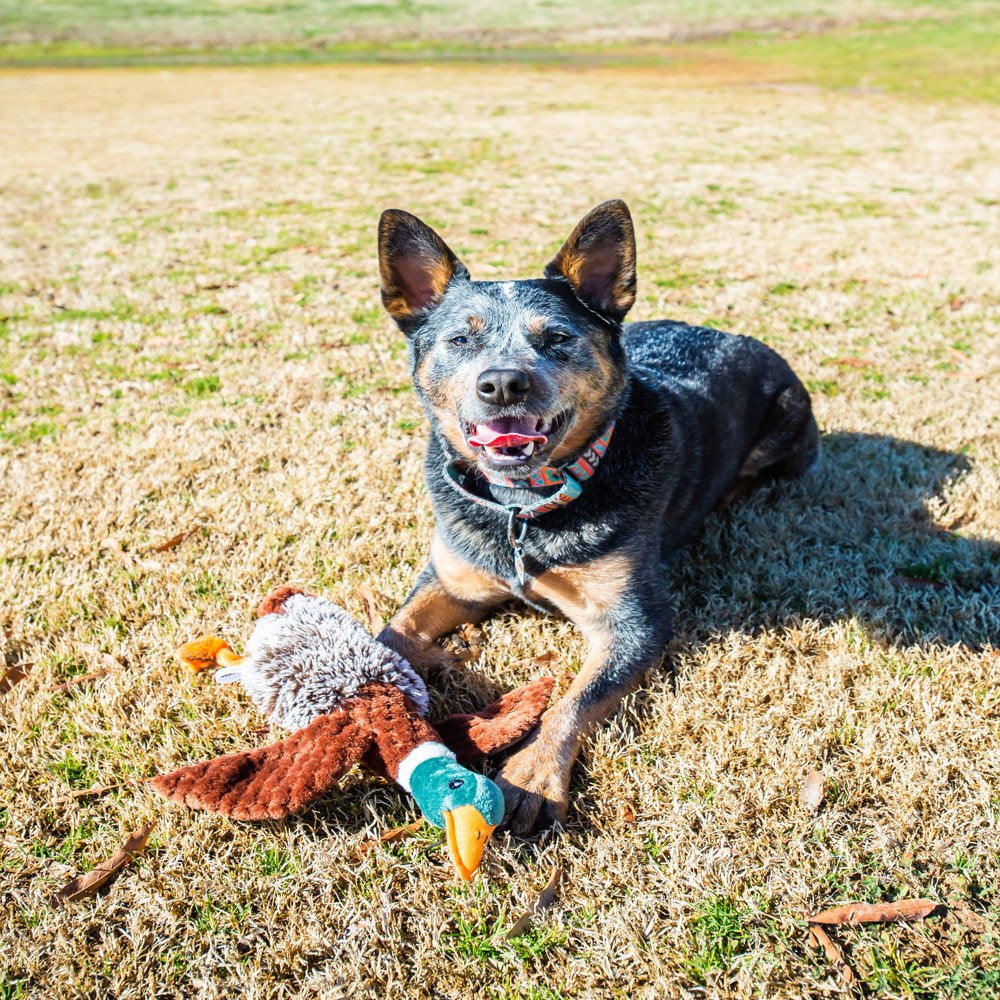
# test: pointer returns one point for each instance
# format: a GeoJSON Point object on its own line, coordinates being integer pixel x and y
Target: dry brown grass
{"type": "Point", "coordinates": [191, 338]}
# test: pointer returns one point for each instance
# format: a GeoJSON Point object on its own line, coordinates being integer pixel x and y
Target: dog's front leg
{"type": "Point", "coordinates": [447, 594]}
{"type": "Point", "coordinates": [626, 625]}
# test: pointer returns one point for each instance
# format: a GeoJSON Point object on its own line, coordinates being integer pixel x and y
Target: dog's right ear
{"type": "Point", "coordinates": [416, 266]}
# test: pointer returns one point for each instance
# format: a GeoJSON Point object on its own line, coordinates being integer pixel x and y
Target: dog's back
{"type": "Point", "coordinates": [738, 413]}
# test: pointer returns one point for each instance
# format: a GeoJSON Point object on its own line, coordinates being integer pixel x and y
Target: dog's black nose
{"type": "Point", "coordinates": [503, 386]}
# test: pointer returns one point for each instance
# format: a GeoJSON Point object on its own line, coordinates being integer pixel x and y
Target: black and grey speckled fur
{"type": "Point", "coordinates": [698, 411]}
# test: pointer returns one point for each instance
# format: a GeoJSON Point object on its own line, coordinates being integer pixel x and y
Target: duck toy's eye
{"type": "Point", "coordinates": [456, 783]}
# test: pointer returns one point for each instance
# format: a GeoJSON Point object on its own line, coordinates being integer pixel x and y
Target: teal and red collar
{"type": "Point", "coordinates": [568, 480]}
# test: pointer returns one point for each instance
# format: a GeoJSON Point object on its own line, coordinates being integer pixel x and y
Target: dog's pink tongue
{"type": "Point", "coordinates": [507, 432]}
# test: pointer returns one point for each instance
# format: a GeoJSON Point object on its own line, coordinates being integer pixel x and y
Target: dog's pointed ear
{"type": "Point", "coordinates": [598, 260]}
{"type": "Point", "coordinates": [416, 266]}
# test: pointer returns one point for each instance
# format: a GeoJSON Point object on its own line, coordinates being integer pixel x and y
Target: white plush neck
{"type": "Point", "coordinates": [420, 753]}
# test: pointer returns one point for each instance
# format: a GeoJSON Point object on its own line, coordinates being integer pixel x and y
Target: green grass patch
{"type": "Point", "coordinates": [202, 385]}
{"type": "Point", "coordinates": [719, 935]}
{"type": "Point", "coordinates": [951, 57]}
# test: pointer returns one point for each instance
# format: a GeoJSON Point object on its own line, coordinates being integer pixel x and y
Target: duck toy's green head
{"type": "Point", "coordinates": [466, 805]}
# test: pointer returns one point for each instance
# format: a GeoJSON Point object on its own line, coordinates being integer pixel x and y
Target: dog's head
{"type": "Point", "coordinates": [514, 374]}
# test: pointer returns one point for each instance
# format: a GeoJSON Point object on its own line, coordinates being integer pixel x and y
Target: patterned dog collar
{"type": "Point", "coordinates": [568, 479]}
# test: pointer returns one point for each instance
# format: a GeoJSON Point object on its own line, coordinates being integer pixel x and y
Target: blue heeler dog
{"type": "Point", "coordinates": [570, 457]}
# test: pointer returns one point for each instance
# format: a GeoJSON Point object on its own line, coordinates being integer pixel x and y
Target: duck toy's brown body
{"type": "Point", "coordinates": [351, 700]}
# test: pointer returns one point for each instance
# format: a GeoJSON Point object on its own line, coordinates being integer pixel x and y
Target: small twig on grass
{"type": "Point", "coordinates": [174, 540]}
{"type": "Point", "coordinates": [916, 582]}
{"type": "Point", "coordinates": [545, 899]}
{"type": "Point", "coordinates": [98, 790]}
{"type": "Point", "coordinates": [74, 681]}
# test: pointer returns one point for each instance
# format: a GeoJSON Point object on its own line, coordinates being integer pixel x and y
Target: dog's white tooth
{"type": "Point", "coordinates": [528, 449]}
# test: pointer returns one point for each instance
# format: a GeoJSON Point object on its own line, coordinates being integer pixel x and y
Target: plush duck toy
{"type": "Point", "coordinates": [351, 700]}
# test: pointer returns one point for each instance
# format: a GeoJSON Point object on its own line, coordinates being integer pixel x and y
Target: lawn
{"type": "Point", "coordinates": [191, 341]}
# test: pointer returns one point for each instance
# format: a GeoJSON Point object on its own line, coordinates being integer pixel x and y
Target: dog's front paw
{"type": "Point", "coordinates": [419, 652]}
{"type": "Point", "coordinates": [535, 786]}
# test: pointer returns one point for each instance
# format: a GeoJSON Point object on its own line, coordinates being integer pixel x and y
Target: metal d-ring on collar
{"type": "Point", "coordinates": [569, 479]}
{"type": "Point", "coordinates": [517, 531]}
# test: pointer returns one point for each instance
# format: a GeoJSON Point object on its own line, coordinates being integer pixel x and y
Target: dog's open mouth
{"type": "Point", "coordinates": [509, 441]}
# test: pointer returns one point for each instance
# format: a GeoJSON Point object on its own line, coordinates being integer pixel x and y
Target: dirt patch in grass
{"type": "Point", "coordinates": [190, 339]}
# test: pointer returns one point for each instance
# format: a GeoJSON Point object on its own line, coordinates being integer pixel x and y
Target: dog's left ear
{"type": "Point", "coordinates": [416, 266]}
{"type": "Point", "coordinates": [598, 260]}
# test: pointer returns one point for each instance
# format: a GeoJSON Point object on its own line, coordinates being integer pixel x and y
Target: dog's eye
{"type": "Point", "coordinates": [459, 341]}
{"type": "Point", "coordinates": [556, 338]}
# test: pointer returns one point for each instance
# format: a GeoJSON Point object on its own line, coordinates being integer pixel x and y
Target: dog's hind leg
{"type": "Point", "coordinates": [789, 442]}
{"type": "Point", "coordinates": [787, 447]}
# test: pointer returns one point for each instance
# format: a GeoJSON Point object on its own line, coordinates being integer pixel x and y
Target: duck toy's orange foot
{"type": "Point", "coordinates": [312, 668]}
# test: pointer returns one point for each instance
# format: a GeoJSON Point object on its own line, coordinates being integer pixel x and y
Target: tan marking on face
{"type": "Point", "coordinates": [444, 396]}
{"type": "Point", "coordinates": [604, 382]}
{"type": "Point", "coordinates": [476, 324]}
{"type": "Point", "coordinates": [537, 324]}
{"type": "Point", "coordinates": [451, 427]}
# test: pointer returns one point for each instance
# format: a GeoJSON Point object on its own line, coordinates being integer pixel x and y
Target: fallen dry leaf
{"type": "Point", "coordinates": [13, 676]}
{"type": "Point", "coordinates": [545, 899]}
{"type": "Point", "coordinates": [74, 681]}
{"type": "Point", "coordinates": [811, 795]}
{"type": "Point", "coordinates": [544, 659]}
{"type": "Point", "coordinates": [174, 540]}
{"type": "Point", "coordinates": [970, 920]}
{"type": "Point", "coordinates": [958, 521]}
{"type": "Point", "coordinates": [367, 596]}
{"type": "Point", "coordinates": [393, 836]}
{"type": "Point", "coordinates": [628, 815]}
{"type": "Point", "coordinates": [102, 874]}
{"type": "Point", "coordinates": [876, 913]}
{"type": "Point", "coordinates": [834, 955]}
